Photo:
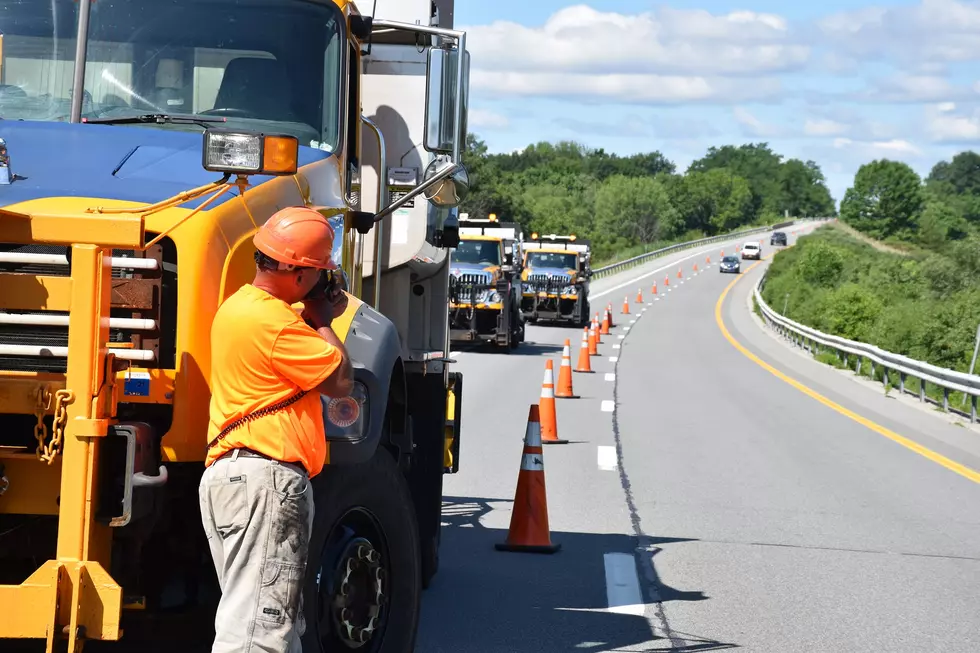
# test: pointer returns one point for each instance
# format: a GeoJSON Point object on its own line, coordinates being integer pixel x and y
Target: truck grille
{"type": "Point", "coordinates": [463, 287]}
{"type": "Point", "coordinates": [551, 284]}
{"type": "Point", "coordinates": [143, 306]}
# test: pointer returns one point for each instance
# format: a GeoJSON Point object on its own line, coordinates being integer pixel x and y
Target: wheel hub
{"type": "Point", "coordinates": [359, 597]}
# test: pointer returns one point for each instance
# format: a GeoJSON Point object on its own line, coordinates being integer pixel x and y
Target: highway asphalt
{"type": "Point", "coordinates": [703, 503]}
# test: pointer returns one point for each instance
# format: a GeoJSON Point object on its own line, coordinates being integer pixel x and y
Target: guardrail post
{"type": "Point", "coordinates": [874, 371]}
{"type": "Point", "coordinates": [973, 409]}
{"type": "Point", "coordinates": [922, 389]}
{"type": "Point", "coordinates": [860, 361]}
{"type": "Point", "coordinates": [901, 382]}
{"type": "Point", "coordinates": [884, 378]}
{"type": "Point", "coordinates": [946, 399]}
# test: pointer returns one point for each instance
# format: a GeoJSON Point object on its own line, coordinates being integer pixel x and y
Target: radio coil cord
{"type": "Point", "coordinates": [262, 412]}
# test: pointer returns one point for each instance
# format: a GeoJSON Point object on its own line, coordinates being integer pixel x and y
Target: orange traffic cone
{"type": "Point", "coordinates": [595, 326]}
{"type": "Point", "coordinates": [695, 267]}
{"type": "Point", "coordinates": [564, 389]}
{"type": "Point", "coordinates": [604, 328]}
{"type": "Point", "coordinates": [639, 295]}
{"type": "Point", "coordinates": [707, 259]}
{"type": "Point", "coordinates": [584, 361]}
{"type": "Point", "coordinates": [593, 343]}
{"type": "Point", "coordinates": [609, 312]}
{"type": "Point", "coordinates": [529, 531]}
{"type": "Point", "coordinates": [667, 280]}
{"type": "Point", "coordinates": [723, 253]}
{"type": "Point", "coordinates": [680, 274]}
{"type": "Point", "coordinates": [626, 305]}
{"type": "Point", "coordinates": [654, 290]}
{"type": "Point", "coordinates": [549, 416]}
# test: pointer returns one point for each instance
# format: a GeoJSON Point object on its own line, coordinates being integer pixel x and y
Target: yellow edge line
{"type": "Point", "coordinates": [949, 464]}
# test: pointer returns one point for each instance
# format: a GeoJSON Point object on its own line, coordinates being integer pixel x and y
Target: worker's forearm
{"type": "Point", "coordinates": [341, 381]}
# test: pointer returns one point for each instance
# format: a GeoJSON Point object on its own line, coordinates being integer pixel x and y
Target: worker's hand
{"type": "Point", "coordinates": [319, 312]}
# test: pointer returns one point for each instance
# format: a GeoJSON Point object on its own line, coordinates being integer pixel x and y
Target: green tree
{"type": "Point", "coordinates": [637, 209]}
{"type": "Point", "coordinates": [886, 199]}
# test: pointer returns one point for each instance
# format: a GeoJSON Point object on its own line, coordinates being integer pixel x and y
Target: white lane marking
{"type": "Point", "coordinates": [626, 328]}
{"type": "Point", "coordinates": [621, 336]}
{"type": "Point", "coordinates": [706, 248]}
{"type": "Point", "coordinates": [670, 290]}
{"type": "Point", "coordinates": [623, 584]}
{"type": "Point", "coordinates": [608, 405]}
{"type": "Point", "coordinates": [644, 310]}
{"type": "Point", "coordinates": [606, 457]}
{"type": "Point", "coordinates": [632, 321]}
{"type": "Point", "coordinates": [610, 376]}
{"type": "Point", "coordinates": [616, 346]}
{"type": "Point", "coordinates": [649, 303]}
{"type": "Point", "coordinates": [613, 359]}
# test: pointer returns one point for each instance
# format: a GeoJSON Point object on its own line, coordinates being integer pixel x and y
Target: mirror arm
{"type": "Point", "coordinates": [382, 201]}
{"type": "Point", "coordinates": [415, 192]}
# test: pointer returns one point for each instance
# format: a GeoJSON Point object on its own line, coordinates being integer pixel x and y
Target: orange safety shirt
{"type": "Point", "coordinates": [262, 352]}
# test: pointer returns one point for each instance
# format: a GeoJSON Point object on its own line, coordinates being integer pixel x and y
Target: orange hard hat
{"type": "Point", "coordinates": [296, 236]}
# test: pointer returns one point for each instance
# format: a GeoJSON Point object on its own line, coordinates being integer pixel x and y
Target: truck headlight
{"type": "Point", "coordinates": [346, 418]}
{"type": "Point", "coordinates": [250, 153]}
{"type": "Point", "coordinates": [494, 297]}
{"type": "Point", "coordinates": [569, 290]}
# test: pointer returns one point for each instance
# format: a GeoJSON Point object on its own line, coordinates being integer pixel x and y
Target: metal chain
{"type": "Point", "coordinates": [50, 451]}
{"type": "Point", "coordinates": [43, 403]}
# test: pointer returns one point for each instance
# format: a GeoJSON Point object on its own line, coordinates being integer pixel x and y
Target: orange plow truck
{"type": "Point", "coordinates": [142, 144]}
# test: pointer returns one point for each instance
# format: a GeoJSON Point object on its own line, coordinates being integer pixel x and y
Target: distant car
{"type": "Point", "coordinates": [752, 249]}
{"type": "Point", "coordinates": [778, 238]}
{"type": "Point", "coordinates": [730, 264]}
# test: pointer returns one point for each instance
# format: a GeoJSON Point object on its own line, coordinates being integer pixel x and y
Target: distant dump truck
{"type": "Point", "coordinates": [485, 284]}
{"type": "Point", "coordinates": [556, 275]}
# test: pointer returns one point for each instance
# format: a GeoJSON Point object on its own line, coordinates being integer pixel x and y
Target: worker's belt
{"type": "Point", "coordinates": [251, 453]}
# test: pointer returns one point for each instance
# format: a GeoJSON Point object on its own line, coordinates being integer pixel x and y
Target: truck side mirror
{"type": "Point", "coordinates": [441, 91]}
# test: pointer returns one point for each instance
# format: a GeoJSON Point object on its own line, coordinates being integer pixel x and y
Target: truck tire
{"type": "Point", "coordinates": [364, 515]}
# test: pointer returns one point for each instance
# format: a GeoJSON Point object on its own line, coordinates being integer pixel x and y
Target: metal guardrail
{"type": "Point", "coordinates": [614, 268]}
{"type": "Point", "coordinates": [811, 339]}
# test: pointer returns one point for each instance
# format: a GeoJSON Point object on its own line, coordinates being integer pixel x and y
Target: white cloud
{"type": "Point", "coordinates": [487, 119]}
{"type": "Point", "coordinates": [945, 125]}
{"type": "Point", "coordinates": [929, 32]}
{"type": "Point", "coordinates": [918, 88]}
{"type": "Point", "coordinates": [752, 126]}
{"type": "Point", "coordinates": [893, 148]}
{"type": "Point", "coordinates": [824, 127]}
{"type": "Point", "coordinates": [667, 55]}
{"type": "Point", "coordinates": [628, 89]}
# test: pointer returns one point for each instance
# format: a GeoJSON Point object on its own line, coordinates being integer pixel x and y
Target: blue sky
{"type": "Point", "coordinates": [839, 82]}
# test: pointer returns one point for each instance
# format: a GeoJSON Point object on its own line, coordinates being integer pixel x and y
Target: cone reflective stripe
{"type": "Point", "coordinates": [548, 411]}
{"type": "Point", "coordinates": [626, 305]}
{"type": "Point", "coordinates": [529, 530]}
{"type": "Point", "coordinates": [584, 360]}
{"type": "Point", "coordinates": [564, 389]}
{"type": "Point", "coordinates": [593, 343]}
{"type": "Point", "coordinates": [639, 295]}
{"type": "Point", "coordinates": [604, 327]}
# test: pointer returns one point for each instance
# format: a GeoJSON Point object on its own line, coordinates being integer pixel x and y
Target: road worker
{"type": "Point", "coordinates": [269, 366]}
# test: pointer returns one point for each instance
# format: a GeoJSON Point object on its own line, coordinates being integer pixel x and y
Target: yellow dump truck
{"type": "Point", "coordinates": [143, 143]}
{"type": "Point", "coordinates": [556, 275]}
{"type": "Point", "coordinates": [485, 284]}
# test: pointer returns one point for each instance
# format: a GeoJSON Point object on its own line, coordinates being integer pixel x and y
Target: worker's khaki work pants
{"type": "Point", "coordinates": [258, 515]}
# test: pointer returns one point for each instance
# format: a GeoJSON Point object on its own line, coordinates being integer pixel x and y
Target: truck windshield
{"type": "Point", "coordinates": [477, 252]}
{"type": "Point", "coordinates": [270, 65]}
{"type": "Point", "coordinates": [552, 260]}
